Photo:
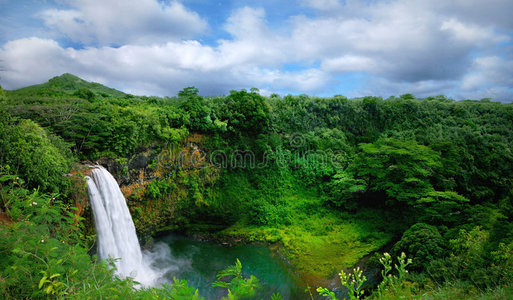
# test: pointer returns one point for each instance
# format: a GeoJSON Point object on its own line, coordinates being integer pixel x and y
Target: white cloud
{"type": "Point", "coordinates": [247, 22]}
{"type": "Point", "coordinates": [400, 40]}
{"type": "Point", "coordinates": [488, 77]}
{"type": "Point", "coordinates": [421, 47]}
{"type": "Point", "coordinates": [486, 72]}
{"type": "Point", "coordinates": [349, 63]}
{"type": "Point", "coordinates": [496, 69]}
{"type": "Point", "coordinates": [30, 61]}
{"type": "Point", "coordinates": [153, 69]}
{"type": "Point", "coordinates": [472, 34]}
{"type": "Point", "coordinates": [252, 41]}
{"type": "Point", "coordinates": [114, 22]}
{"type": "Point", "coordinates": [323, 5]}
{"type": "Point", "coordinates": [305, 80]}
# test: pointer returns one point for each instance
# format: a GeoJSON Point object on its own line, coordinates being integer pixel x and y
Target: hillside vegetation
{"type": "Point", "coordinates": [328, 180]}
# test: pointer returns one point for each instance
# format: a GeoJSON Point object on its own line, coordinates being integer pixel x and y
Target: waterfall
{"type": "Point", "coordinates": [116, 236]}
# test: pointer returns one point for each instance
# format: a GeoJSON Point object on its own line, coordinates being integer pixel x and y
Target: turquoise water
{"type": "Point", "coordinates": [198, 262]}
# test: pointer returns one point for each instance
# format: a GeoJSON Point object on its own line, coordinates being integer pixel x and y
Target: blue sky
{"type": "Point", "coordinates": [462, 49]}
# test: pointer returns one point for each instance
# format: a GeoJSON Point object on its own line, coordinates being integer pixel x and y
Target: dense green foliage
{"type": "Point", "coordinates": [330, 179]}
{"type": "Point", "coordinates": [41, 160]}
{"type": "Point", "coordinates": [423, 242]}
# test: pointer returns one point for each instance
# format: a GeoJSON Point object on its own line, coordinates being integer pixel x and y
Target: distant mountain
{"type": "Point", "coordinates": [67, 85]}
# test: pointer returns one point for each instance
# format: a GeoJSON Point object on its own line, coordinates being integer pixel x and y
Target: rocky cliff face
{"type": "Point", "coordinates": [162, 187]}
{"type": "Point", "coordinates": [130, 171]}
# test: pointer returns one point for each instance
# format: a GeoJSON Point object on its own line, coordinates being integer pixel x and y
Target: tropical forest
{"type": "Point", "coordinates": [245, 196]}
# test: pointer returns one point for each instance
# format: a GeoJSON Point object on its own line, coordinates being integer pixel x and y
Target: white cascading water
{"type": "Point", "coordinates": [116, 236]}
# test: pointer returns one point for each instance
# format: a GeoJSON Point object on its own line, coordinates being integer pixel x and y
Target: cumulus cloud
{"type": "Point", "coordinates": [492, 13]}
{"type": "Point", "coordinates": [400, 40]}
{"type": "Point", "coordinates": [323, 5]}
{"type": "Point", "coordinates": [114, 22]}
{"type": "Point", "coordinates": [472, 34]}
{"type": "Point", "coordinates": [253, 42]}
{"type": "Point", "coordinates": [421, 47]}
{"type": "Point", "coordinates": [30, 61]}
{"type": "Point", "coordinates": [349, 63]}
{"type": "Point", "coordinates": [156, 69]}
{"type": "Point", "coordinates": [490, 77]}
{"type": "Point", "coordinates": [385, 87]}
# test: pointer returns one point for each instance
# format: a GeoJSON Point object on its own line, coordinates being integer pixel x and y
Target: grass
{"type": "Point", "coordinates": [319, 241]}
{"type": "Point", "coordinates": [449, 290]}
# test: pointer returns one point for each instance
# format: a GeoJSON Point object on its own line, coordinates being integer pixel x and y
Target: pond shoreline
{"type": "Point", "coordinates": [308, 280]}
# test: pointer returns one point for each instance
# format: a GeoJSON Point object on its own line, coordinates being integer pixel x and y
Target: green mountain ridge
{"type": "Point", "coordinates": [65, 85]}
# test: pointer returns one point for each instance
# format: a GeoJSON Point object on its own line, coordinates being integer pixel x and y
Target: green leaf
{"type": "Point", "coordinates": [49, 289]}
{"type": "Point", "coordinates": [42, 282]}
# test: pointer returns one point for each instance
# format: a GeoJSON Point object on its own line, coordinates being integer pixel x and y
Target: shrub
{"type": "Point", "coordinates": [423, 243]}
{"type": "Point", "coordinates": [238, 286]}
{"type": "Point", "coordinates": [35, 156]}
